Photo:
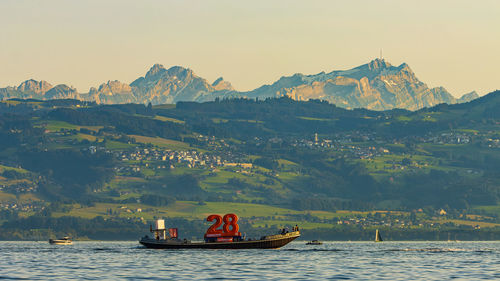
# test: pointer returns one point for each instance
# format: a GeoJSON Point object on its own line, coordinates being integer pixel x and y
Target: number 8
{"type": "Point", "coordinates": [230, 220]}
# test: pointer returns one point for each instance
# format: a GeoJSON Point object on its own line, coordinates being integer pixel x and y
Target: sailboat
{"type": "Point", "coordinates": [378, 238]}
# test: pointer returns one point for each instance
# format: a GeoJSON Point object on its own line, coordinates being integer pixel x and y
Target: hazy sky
{"type": "Point", "coordinates": [455, 44]}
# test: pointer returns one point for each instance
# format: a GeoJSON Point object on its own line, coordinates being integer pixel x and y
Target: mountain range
{"type": "Point", "coordinates": [377, 85]}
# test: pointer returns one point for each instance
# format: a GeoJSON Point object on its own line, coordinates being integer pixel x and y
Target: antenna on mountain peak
{"type": "Point", "coordinates": [381, 57]}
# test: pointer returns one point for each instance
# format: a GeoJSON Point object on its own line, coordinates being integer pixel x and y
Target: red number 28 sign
{"type": "Point", "coordinates": [230, 227]}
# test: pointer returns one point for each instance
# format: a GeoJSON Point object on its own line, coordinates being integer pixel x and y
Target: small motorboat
{"type": "Point", "coordinates": [314, 242]}
{"type": "Point", "coordinates": [61, 241]}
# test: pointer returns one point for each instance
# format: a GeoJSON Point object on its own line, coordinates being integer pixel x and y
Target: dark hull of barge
{"type": "Point", "coordinates": [269, 242]}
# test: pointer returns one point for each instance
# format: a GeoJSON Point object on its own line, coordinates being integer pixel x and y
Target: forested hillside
{"type": "Point", "coordinates": [275, 162]}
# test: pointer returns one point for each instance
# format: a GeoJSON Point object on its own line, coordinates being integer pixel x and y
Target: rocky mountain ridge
{"type": "Point", "coordinates": [377, 85]}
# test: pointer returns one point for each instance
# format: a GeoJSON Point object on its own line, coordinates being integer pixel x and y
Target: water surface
{"type": "Point", "coordinates": [296, 261]}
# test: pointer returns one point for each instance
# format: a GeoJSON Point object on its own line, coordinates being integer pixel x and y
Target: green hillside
{"type": "Point", "coordinates": [274, 162]}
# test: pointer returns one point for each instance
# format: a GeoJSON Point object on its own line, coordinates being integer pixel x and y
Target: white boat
{"type": "Point", "coordinates": [61, 241]}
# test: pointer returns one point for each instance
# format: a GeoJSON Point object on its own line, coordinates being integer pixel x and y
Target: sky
{"type": "Point", "coordinates": [449, 43]}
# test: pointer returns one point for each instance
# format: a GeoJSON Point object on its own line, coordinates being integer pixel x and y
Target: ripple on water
{"type": "Point", "coordinates": [337, 261]}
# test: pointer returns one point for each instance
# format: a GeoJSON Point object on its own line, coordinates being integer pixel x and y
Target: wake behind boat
{"type": "Point", "coordinates": [314, 242]}
{"type": "Point", "coordinates": [224, 238]}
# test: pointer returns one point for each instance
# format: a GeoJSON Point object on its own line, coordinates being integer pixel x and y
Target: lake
{"type": "Point", "coordinates": [296, 261]}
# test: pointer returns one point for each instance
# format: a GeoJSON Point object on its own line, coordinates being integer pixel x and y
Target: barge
{"type": "Point", "coordinates": [225, 238]}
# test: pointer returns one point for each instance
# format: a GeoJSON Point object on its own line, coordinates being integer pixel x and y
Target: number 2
{"type": "Point", "coordinates": [213, 228]}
